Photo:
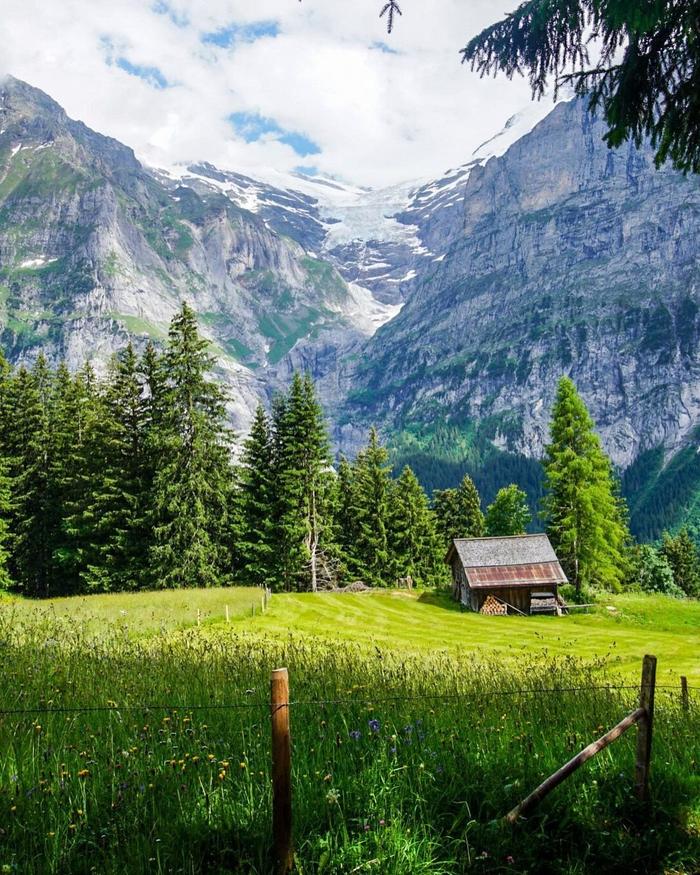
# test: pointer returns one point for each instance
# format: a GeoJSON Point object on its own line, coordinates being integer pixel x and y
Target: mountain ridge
{"type": "Point", "coordinates": [444, 310]}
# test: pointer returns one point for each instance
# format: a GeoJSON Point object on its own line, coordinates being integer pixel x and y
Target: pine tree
{"type": "Point", "coordinates": [414, 544]}
{"type": "Point", "coordinates": [584, 515]}
{"type": "Point", "coordinates": [372, 505]}
{"type": "Point", "coordinates": [459, 512]}
{"type": "Point", "coordinates": [345, 521]}
{"type": "Point", "coordinates": [5, 517]}
{"type": "Point", "coordinates": [301, 468]}
{"type": "Point", "coordinates": [117, 510]}
{"type": "Point", "coordinates": [35, 519]}
{"type": "Point", "coordinates": [509, 513]}
{"type": "Point", "coordinates": [193, 480]}
{"type": "Point", "coordinates": [77, 461]}
{"type": "Point", "coordinates": [256, 547]}
{"type": "Point", "coordinates": [644, 78]}
{"type": "Point", "coordinates": [682, 556]}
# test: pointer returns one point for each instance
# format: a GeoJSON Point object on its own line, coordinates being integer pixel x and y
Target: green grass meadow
{"type": "Point", "coordinates": [415, 728]}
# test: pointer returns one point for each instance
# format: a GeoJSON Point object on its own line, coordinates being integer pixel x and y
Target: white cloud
{"type": "Point", "coordinates": [378, 117]}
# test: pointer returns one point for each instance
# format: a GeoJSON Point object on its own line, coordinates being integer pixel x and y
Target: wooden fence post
{"type": "Point", "coordinates": [281, 772]}
{"type": "Point", "coordinates": [685, 702]}
{"type": "Point", "coordinates": [645, 728]}
{"type": "Point", "coordinates": [227, 615]}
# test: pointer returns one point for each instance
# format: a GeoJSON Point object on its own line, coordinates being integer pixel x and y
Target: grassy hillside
{"type": "Point", "coordinates": [622, 628]}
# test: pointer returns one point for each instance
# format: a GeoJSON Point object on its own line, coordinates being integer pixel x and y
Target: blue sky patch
{"type": "Point", "coordinates": [252, 127]}
{"type": "Point", "coordinates": [160, 7]}
{"type": "Point", "coordinates": [234, 33]}
{"type": "Point", "coordinates": [152, 75]}
{"type": "Point", "coordinates": [306, 169]}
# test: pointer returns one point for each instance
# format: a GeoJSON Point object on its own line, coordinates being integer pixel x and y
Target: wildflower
{"type": "Point", "coordinates": [510, 860]}
{"type": "Point", "coordinates": [243, 765]}
{"type": "Point", "coordinates": [367, 827]}
{"type": "Point", "coordinates": [355, 734]}
{"type": "Point", "coordinates": [332, 797]}
{"type": "Point", "coordinates": [382, 823]}
{"type": "Point", "coordinates": [84, 773]}
{"type": "Point", "coordinates": [374, 725]}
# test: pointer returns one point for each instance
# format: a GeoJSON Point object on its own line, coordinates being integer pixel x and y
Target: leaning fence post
{"type": "Point", "coordinates": [281, 772]}
{"type": "Point", "coordinates": [645, 728]}
{"type": "Point", "coordinates": [684, 693]}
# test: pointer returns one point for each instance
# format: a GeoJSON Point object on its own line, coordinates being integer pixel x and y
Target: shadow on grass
{"type": "Point", "coordinates": [439, 598]}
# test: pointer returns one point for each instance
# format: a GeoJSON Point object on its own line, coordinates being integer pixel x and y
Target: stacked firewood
{"type": "Point", "coordinates": [493, 607]}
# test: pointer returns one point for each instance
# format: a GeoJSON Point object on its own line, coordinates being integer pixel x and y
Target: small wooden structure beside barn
{"type": "Point", "coordinates": [521, 572]}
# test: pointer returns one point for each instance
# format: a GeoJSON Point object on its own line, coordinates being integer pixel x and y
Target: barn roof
{"type": "Point", "coordinates": [521, 560]}
{"type": "Point", "coordinates": [514, 550]}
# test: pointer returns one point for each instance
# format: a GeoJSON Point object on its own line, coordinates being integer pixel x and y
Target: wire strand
{"type": "Point", "coordinates": [378, 700]}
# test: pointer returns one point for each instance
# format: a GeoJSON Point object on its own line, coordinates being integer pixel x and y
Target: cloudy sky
{"type": "Point", "coordinates": [249, 84]}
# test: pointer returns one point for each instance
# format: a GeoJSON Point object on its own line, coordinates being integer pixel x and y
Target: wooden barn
{"type": "Point", "coordinates": [520, 573]}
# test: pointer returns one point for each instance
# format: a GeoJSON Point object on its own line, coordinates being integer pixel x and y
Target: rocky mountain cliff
{"type": "Point", "coordinates": [444, 311]}
{"type": "Point", "coordinates": [94, 247]}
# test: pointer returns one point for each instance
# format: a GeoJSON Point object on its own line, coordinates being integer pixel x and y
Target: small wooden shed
{"type": "Point", "coordinates": [512, 569]}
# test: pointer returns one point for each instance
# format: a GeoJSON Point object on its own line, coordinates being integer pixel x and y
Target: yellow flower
{"type": "Point", "coordinates": [83, 773]}
{"type": "Point", "coordinates": [243, 765]}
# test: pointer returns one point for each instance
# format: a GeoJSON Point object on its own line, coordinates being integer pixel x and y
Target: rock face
{"type": "Point", "coordinates": [93, 248]}
{"type": "Point", "coordinates": [566, 258]}
{"type": "Point", "coordinates": [455, 303]}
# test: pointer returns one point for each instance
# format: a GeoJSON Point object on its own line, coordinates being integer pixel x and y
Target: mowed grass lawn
{"type": "Point", "coordinates": [142, 612]}
{"type": "Point", "coordinates": [414, 622]}
{"type": "Point", "coordinates": [620, 629]}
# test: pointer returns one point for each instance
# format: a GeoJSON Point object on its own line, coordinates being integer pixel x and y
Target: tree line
{"type": "Point", "coordinates": [132, 482]}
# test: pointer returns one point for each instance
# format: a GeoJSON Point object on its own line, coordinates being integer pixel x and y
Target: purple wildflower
{"type": "Point", "coordinates": [355, 734]}
{"type": "Point", "coordinates": [374, 725]}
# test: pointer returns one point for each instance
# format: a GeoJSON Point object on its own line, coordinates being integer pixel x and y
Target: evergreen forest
{"type": "Point", "coordinates": [135, 481]}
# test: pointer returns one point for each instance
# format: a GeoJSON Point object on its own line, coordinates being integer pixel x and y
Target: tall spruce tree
{"type": "Point", "coordinates": [76, 465]}
{"type": "Point", "coordinates": [301, 470]}
{"type": "Point", "coordinates": [372, 503]}
{"type": "Point", "coordinates": [509, 513]}
{"type": "Point", "coordinates": [681, 554]}
{"type": "Point", "coordinates": [117, 511]}
{"type": "Point", "coordinates": [584, 515]}
{"type": "Point", "coordinates": [36, 518]}
{"type": "Point", "coordinates": [415, 546]}
{"type": "Point", "coordinates": [345, 520]}
{"type": "Point", "coordinates": [256, 544]}
{"type": "Point", "coordinates": [5, 517]}
{"type": "Point", "coordinates": [193, 480]}
{"type": "Point", "coordinates": [459, 512]}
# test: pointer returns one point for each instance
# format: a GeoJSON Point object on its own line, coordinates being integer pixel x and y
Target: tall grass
{"type": "Point", "coordinates": [401, 764]}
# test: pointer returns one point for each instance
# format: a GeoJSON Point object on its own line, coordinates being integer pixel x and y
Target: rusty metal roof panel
{"type": "Point", "coordinates": [531, 574]}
